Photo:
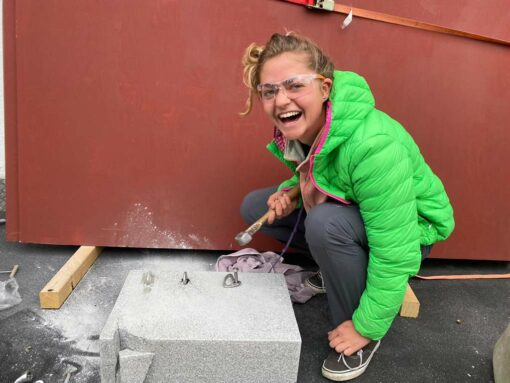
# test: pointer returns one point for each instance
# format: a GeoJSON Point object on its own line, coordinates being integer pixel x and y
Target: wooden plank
{"type": "Point", "coordinates": [56, 291]}
{"type": "Point", "coordinates": [410, 306]}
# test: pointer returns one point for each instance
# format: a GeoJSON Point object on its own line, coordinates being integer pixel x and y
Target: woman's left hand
{"type": "Point", "coordinates": [344, 338]}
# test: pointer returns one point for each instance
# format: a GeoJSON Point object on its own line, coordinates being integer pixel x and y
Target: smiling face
{"type": "Point", "coordinates": [299, 118]}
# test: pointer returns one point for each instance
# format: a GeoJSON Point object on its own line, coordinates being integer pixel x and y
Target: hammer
{"type": "Point", "coordinates": [245, 237]}
{"type": "Point", "coordinates": [12, 272]}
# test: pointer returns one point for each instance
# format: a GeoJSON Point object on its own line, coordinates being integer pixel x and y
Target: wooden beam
{"type": "Point", "coordinates": [56, 291]}
{"type": "Point", "coordinates": [411, 305]}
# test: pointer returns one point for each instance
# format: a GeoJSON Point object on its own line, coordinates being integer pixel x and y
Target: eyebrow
{"type": "Point", "coordinates": [291, 78]}
{"type": "Point", "coordinates": [281, 82]}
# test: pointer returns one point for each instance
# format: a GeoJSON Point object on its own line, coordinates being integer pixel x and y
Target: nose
{"type": "Point", "coordinates": [281, 97]}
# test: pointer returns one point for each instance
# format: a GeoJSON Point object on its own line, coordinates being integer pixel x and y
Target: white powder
{"type": "Point", "coordinates": [84, 314]}
{"type": "Point", "coordinates": [138, 227]}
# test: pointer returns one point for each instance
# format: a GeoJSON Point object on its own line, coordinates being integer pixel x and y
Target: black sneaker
{"type": "Point", "coordinates": [339, 367]}
{"type": "Point", "coordinates": [316, 283]}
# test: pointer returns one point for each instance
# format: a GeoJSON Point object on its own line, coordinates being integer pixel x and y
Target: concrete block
{"type": "Point", "coordinates": [501, 358]}
{"type": "Point", "coordinates": [201, 331]}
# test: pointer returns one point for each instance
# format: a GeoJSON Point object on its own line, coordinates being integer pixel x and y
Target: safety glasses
{"type": "Point", "coordinates": [293, 87]}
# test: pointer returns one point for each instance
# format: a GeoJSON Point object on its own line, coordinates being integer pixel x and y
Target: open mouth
{"type": "Point", "coordinates": [289, 116]}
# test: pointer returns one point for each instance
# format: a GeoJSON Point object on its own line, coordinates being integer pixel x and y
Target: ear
{"type": "Point", "coordinates": [326, 88]}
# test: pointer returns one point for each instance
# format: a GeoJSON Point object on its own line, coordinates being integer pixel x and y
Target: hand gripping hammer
{"type": "Point", "coordinates": [245, 237]}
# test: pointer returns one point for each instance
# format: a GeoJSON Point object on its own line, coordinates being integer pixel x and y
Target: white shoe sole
{"type": "Point", "coordinates": [342, 377]}
{"type": "Point", "coordinates": [315, 289]}
{"type": "Point", "coordinates": [335, 376]}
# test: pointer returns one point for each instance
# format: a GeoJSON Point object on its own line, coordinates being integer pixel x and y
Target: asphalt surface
{"type": "Point", "coordinates": [452, 340]}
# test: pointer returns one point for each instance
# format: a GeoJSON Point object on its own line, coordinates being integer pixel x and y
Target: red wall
{"type": "Point", "coordinates": [122, 125]}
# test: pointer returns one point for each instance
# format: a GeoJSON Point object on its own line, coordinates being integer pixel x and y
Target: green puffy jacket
{"type": "Point", "coordinates": [369, 159]}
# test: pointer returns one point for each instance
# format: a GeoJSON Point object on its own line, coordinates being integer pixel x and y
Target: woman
{"type": "Point", "coordinates": [373, 206]}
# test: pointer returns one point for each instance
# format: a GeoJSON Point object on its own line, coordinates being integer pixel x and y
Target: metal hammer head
{"type": "Point", "coordinates": [243, 238]}
{"type": "Point", "coordinates": [26, 377]}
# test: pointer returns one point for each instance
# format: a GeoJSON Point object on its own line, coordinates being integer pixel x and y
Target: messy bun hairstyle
{"type": "Point", "coordinates": [255, 57]}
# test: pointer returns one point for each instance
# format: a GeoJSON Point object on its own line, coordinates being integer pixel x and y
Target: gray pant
{"type": "Point", "coordinates": [334, 235]}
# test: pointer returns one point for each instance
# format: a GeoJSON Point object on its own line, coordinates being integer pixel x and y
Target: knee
{"type": "Point", "coordinates": [250, 207]}
{"type": "Point", "coordinates": [316, 225]}
{"type": "Point", "coordinates": [324, 224]}
{"type": "Point", "coordinates": [254, 205]}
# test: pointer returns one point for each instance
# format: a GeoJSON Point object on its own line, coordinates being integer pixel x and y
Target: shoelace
{"type": "Point", "coordinates": [342, 357]}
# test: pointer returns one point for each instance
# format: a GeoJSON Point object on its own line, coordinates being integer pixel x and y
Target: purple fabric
{"type": "Point", "coordinates": [251, 261]}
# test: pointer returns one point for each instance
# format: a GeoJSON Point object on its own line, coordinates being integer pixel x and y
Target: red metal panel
{"type": "Point", "coordinates": [122, 125]}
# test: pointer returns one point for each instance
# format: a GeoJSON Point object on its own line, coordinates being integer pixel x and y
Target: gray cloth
{"type": "Point", "coordinates": [334, 235]}
{"type": "Point", "coordinates": [250, 260]}
{"type": "Point", "coordinates": [294, 151]}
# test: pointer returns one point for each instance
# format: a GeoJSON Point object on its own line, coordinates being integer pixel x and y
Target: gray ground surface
{"type": "Point", "coordinates": [434, 347]}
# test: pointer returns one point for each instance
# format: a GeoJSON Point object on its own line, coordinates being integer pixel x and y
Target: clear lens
{"type": "Point", "coordinates": [268, 91]}
{"type": "Point", "coordinates": [295, 86]}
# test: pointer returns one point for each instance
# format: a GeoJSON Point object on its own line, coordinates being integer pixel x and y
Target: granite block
{"type": "Point", "coordinates": [134, 365]}
{"type": "Point", "coordinates": [201, 331]}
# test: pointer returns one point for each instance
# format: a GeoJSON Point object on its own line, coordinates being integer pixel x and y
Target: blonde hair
{"type": "Point", "coordinates": [255, 56]}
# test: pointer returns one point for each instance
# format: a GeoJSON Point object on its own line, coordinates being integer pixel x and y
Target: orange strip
{"type": "Point", "coordinates": [372, 15]}
{"type": "Point", "coordinates": [397, 20]}
{"type": "Point", "coordinates": [470, 276]}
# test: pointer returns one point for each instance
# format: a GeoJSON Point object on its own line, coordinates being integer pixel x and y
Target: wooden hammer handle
{"type": "Point", "coordinates": [245, 236]}
{"type": "Point", "coordinates": [14, 271]}
{"type": "Point", "coordinates": [292, 193]}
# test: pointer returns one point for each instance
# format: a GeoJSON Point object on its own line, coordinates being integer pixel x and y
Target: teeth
{"type": "Point", "coordinates": [288, 114]}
